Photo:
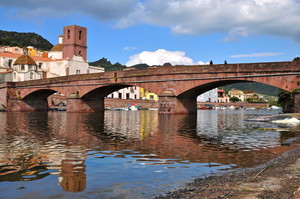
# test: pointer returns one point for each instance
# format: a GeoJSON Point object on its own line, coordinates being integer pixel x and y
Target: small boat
{"type": "Point", "coordinates": [134, 108]}
{"type": "Point", "coordinates": [153, 109]}
{"type": "Point", "coordinates": [275, 107]}
{"type": "Point", "coordinates": [206, 107]}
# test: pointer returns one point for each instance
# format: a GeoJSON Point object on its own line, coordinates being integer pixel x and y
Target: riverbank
{"type": "Point", "coordinates": [277, 179]}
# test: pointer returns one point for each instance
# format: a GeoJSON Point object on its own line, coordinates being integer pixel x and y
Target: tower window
{"type": "Point", "coordinates": [69, 34]}
{"type": "Point", "coordinates": [80, 34]}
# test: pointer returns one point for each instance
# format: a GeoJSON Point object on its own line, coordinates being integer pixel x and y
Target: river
{"type": "Point", "coordinates": [128, 154]}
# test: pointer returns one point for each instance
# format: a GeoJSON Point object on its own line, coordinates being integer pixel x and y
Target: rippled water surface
{"type": "Point", "coordinates": [124, 154]}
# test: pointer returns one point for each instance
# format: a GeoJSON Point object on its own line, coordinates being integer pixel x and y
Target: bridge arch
{"type": "Point", "coordinates": [33, 101]}
{"type": "Point", "coordinates": [92, 100]}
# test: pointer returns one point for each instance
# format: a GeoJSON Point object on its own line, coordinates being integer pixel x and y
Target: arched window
{"type": "Point", "coordinates": [22, 67]}
{"type": "Point", "coordinates": [31, 75]}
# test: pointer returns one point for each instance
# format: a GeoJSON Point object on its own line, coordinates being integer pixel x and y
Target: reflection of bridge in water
{"type": "Point", "coordinates": [177, 86]}
{"type": "Point", "coordinates": [59, 142]}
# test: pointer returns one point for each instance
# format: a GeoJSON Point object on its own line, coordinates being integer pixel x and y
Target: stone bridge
{"type": "Point", "coordinates": [177, 86]}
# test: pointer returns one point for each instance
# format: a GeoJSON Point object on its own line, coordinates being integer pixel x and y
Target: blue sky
{"type": "Point", "coordinates": [160, 31]}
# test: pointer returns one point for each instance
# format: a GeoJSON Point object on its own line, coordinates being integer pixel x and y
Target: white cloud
{"type": "Point", "coordinates": [129, 48]}
{"type": "Point", "coordinates": [161, 56]}
{"type": "Point", "coordinates": [234, 18]}
{"type": "Point", "coordinates": [268, 54]}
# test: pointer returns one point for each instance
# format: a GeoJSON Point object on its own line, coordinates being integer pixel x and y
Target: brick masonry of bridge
{"type": "Point", "coordinates": [177, 86]}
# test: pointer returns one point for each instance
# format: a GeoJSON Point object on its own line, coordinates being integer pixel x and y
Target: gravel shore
{"type": "Point", "coordinates": [277, 179]}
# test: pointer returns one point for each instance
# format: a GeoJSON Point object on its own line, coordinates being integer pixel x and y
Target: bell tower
{"type": "Point", "coordinates": [74, 42]}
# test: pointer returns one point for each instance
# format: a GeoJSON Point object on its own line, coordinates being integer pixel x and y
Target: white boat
{"type": "Point", "coordinates": [134, 108]}
{"type": "Point", "coordinates": [275, 107]}
{"type": "Point", "coordinates": [287, 120]}
{"type": "Point", "coordinates": [153, 109]}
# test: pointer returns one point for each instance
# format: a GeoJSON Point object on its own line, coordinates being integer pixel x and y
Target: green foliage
{"type": "Point", "coordinates": [234, 99]}
{"type": "Point", "coordinates": [107, 65]}
{"type": "Point", "coordinates": [285, 100]}
{"type": "Point", "coordinates": [296, 59]}
{"type": "Point", "coordinates": [23, 40]}
{"type": "Point", "coordinates": [255, 87]}
{"type": "Point", "coordinates": [167, 64]}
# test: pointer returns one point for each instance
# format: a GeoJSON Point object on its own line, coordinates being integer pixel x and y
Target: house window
{"type": "Point", "coordinates": [120, 95]}
{"type": "Point", "coordinates": [77, 71]}
{"type": "Point", "coordinates": [31, 75]}
{"type": "Point", "coordinates": [80, 34]}
{"type": "Point", "coordinates": [79, 53]}
{"type": "Point", "coordinates": [10, 63]}
{"type": "Point", "coordinates": [40, 65]}
{"type": "Point", "coordinates": [69, 34]}
{"type": "Point", "coordinates": [22, 67]}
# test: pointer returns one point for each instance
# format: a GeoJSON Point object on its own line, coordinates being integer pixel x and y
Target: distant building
{"type": "Point", "coordinates": [25, 68]}
{"type": "Point", "coordinates": [56, 51]}
{"type": "Point", "coordinates": [55, 65]}
{"type": "Point", "coordinates": [237, 93]}
{"type": "Point", "coordinates": [209, 96]}
{"type": "Point", "coordinates": [14, 49]}
{"type": "Point", "coordinates": [222, 98]}
{"type": "Point", "coordinates": [145, 94]}
{"type": "Point", "coordinates": [74, 42]}
{"type": "Point", "coordinates": [126, 93]}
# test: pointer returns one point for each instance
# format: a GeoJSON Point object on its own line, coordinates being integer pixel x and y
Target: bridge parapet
{"type": "Point", "coordinates": [185, 83]}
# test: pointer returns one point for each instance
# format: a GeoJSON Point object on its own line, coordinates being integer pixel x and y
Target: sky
{"type": "Point", "coordinates": [160, 31]}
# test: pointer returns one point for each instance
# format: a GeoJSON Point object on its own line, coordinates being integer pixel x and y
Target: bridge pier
{"type": "Point", "coordinates": [296, 101]}
{"type": "Point", "coordinates": [169, 103]}
{"type": "Point", "coordinates": [79, 105]}
{"type": "Point", "coordinates": [19, 105]}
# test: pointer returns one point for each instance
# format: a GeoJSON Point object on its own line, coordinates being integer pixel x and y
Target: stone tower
{"type": "Point", "coordinates": [74, 42]}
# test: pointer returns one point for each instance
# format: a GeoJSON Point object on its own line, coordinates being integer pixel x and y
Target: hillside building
{"type": "Point", "coordinates": [65, 58]}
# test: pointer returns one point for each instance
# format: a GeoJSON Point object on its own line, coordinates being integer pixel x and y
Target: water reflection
{"type": "Point", "coordinates": [122, 151]}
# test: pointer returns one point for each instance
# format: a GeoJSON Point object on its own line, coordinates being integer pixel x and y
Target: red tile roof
{"type": "Point", "coordinates": [35, 58]}
{"type": "Point", "coordinates": [24, 59]}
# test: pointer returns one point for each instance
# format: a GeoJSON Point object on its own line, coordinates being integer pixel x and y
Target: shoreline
{"type": "Point", "coordinates": [279, 178]}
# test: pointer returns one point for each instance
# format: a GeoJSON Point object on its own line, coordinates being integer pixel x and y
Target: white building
{"type": "Point", "coordinates": [36, 67]}
{"type": "Point", "coordinates": [209, 96]}
{"type": "Point", "coordinates": [126, 93]}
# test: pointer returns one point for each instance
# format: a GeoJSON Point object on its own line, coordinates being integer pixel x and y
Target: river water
{"type": "Point", "coordinates": [127, 154]}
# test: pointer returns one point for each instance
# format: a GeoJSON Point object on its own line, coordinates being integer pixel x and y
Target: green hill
{"type": "Point", "coordinates": [107, 65]}
{"type": "Point", "coordinates": [255, 87]}
{"type": "Point", "coordinates": [8, 38]}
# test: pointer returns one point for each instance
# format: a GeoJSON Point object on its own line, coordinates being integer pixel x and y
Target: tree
{"type": "Point", "coordinates": [296, 59]}
{"type": "Point", "coordinates": [225, 62]}
{"type": "Point", "coordinates": [234, 99]}
{"type": "Point", "coordinates": [211, 62]}
{"type": "Point", "coordinates": [167, 64]}
{"type": "Point", "coordinates": [285, 100]}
